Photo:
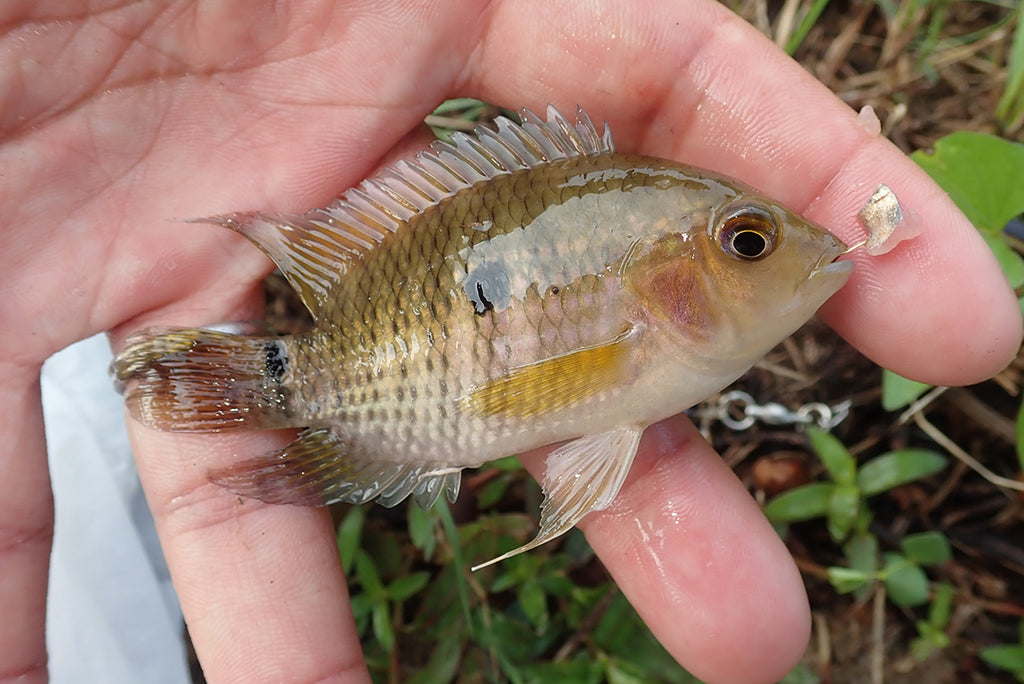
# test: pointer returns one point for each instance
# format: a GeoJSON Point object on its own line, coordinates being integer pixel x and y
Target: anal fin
{"type": "Point", "coordinates": [316, 470]}
{"type": "Point", "coordinates": [582, 476]}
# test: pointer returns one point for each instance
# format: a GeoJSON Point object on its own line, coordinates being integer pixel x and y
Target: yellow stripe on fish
{"type": "Point", "coordinates": [552, 384]}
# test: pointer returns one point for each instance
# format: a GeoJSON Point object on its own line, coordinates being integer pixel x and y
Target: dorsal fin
{"type": "Point", "coordinates": [314, 249]}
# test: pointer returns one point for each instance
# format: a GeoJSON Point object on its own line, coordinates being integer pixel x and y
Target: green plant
{"type": "Point", "coordinates": [425, 617]}
{"type": "Point", "coordinates": [982, 175]}
{"type": "Point", "coordinates": [931, 633]}
{"type": "Point", "coordinates": [373, 606]}
{"type": "Point", "coordinates": [811, 15]}
{"type": "Point", "coordinates": [1010, 109]}
{"type": "Point", "coordinates": [901, 572]}
{"type": "Point", "coordinates": [842, 501]}
{"type": "Point", "coordinates": [461, 114]}
{"type": "Point", "coordinates": [898, 391]}
{"type": "Point", "coordinates": [1008, 657]}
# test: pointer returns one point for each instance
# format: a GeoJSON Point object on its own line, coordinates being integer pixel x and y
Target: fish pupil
{"type": "Point", "coordinates": [748, 234]}
{"type": "Point", "coordinates": [749, 244]}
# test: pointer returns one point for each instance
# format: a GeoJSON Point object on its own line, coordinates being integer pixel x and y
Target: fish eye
{"type": "Point", "coordinates": [749, 233]}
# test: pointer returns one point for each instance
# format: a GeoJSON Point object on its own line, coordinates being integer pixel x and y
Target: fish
{"type": "Point", "coordinates": [521, 286]}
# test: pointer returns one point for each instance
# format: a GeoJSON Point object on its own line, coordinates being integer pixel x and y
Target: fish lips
{"type": "Point", "coordinates": [835, 268]}
{"type": "Point", "coordinates": [829, 267]}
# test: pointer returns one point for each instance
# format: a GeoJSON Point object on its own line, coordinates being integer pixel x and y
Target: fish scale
{"type": "Point", "coordinates": [525, 287]}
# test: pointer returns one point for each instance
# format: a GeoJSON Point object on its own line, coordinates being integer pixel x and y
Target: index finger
{"type": "Point", "coordinates": [692, 82]}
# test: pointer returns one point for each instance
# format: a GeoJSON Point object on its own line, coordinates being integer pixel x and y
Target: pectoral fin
{"type": "Point", "coordinates": [554, 383]}
{"type": "Point", "coordinates": [582, 476]}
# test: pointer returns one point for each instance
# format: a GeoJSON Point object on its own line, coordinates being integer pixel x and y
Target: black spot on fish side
{"type": "Point", "coordinates": [276, 360]}
{"type": "Point", "coordinates": [488, 287]}
{"type": "Point", "coordinates": [481, 302]}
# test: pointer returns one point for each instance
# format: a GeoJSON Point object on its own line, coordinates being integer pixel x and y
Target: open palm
{"type": "Point", "coordinates": [122, 118]}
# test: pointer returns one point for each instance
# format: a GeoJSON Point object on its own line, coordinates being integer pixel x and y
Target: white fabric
{"type": "Point", "coordinates": [112, 614]}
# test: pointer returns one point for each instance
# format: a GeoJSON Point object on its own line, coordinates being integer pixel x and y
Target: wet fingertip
{"type": "Point", "coordinates": [671, 436]}
{"type": "Point", "coordinates": [662, 448]}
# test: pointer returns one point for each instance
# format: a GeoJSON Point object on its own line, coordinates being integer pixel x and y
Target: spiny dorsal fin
{"type": "Point", "coordinates": [314, 250]}
{"type": "Point", "coordinates": [316, 469]}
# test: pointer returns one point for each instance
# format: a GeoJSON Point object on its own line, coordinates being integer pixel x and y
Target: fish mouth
{"type": "Point", "coordinates": [835, 268]}
{"type": "Point", "coordinates": [829, 275]}
{"type": "Point", "coordinates": [829, 265]}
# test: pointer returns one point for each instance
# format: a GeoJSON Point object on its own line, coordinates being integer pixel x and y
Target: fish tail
{"type": "Point", "coordinates": [196, 380]}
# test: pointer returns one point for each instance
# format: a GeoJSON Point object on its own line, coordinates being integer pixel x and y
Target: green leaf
{"type": "Point", "coordinates": [360, 606]}
{"type": "Point", "coordinates": [404, 587]}
{"type": "Point", "coordinates": [1009, 657]}
{"type": "Point", "coordinates": [930, 640]}
{"type": "Point", "coordinates": [942, 605]}
{"type": "Point", "coordinates": [805, 26]}
{"type": "Point", "coordinates": [369, 578]}
{"type": "Point", "coordinates": [898, 391]}
{"type": "Point", "coordinates": [350, 531]}
{"type": "Point", "coordinates": [895, 468]}
{"type": "Point", "coordinates": [1009, 261]}
{"type": "Point", "coordinates": [382, 626]}
{"type": "Point", "coordinates": [534, 603]}
{"type": "Point", "coordinates": [927, 630]}
{"type": "Point", "coordinates": [421, 530]}
{"type": "Point", "coordinates": [623, 636]}
{"type": "Point", "coordinates": [862, 553]}
{"type": "Point", "coordinates": [458, 104]}
{"type": "Point", "coordinates": [843, 508]}
{"type": "Point", "coordinates": [492, 492]}
{"type": "Point", "coordinates": [982, 175]}
{"type": "Point", "coordinates": [558, 585]}
{"type": "Point", "coordinates": [508, 463]}
{"type": "Point", "coordinates": [445, 655]}
{"type": "Point", "coordinates": [801, 674]}
{"type": "Point", "coordinates": [458, 560]}
{"type": "Point", "coordinates": [802, 503]}
{"type": "Point", "coordinates": [927, 548]}
{"type": "Point", "coordinates": [846, 580]}
{"type": "Point", "coordinates": [580, 671]}
{"type": "Point", "coordinates": [625, 672]}
{"type": "Point", "coordinates": [837, 460]}
{"type": "Point", "coordinates": [906, 583]}
{"type": "Point", "coordinates": [613, 630]}
{"type": "Point", "coordinates": [1011, 104]}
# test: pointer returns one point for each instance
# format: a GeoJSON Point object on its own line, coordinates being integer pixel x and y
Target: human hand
{"type": "Point", "coordinates": [116, 121]}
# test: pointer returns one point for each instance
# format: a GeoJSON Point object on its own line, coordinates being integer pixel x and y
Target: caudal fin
{"type": "Point", "coordinates": [195, 380]}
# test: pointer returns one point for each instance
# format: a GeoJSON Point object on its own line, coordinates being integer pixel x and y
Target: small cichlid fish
{"type": "Point", "coordinates": [523, 286]}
